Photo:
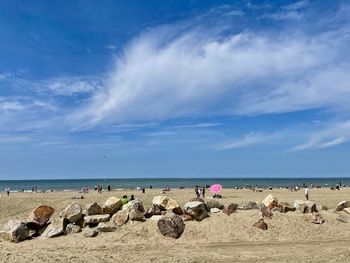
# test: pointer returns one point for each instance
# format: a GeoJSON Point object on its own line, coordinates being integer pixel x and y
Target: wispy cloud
{"type": "Point", "coordinates": [250, 139]}
{"type": "Point", "coordinates": [332, 135]}
{"type": "Point", "coordinates": [171, 73]}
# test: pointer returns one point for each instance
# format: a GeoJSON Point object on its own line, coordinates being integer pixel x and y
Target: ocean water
{"type": "Point", "coordinates": [77, 184]}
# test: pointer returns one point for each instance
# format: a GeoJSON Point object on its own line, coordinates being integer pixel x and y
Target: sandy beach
{"type": "Point", "coordinates": [219, 238]}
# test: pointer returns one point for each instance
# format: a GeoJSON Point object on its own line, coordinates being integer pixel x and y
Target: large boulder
{"type": "Point", "coordinates": [342, 205]}
{"type": "Point", "coordinates": [56, 228]}
{"type": "Point", "coordinates": [305, 207]}
{"type": "Point", "coordinates": [120, 218]}
{"type": "Point", "coordinates": [14, 231]}
{"type": "Point", "coordinates": [39, 217]}
{"type": "Point", "coordinates": [106, 227]}
{"type": "Point", "coordinates": [135, 209]}
{"type": "Point", "coordinates": [230, 208]}
{"type": "Point", "coordinates": [270, 201]}
{"type": "Point", "coordinates": [212, 203]}
{"type": "Point", "coordinates": [72, 213]}
{"type": "Point", "coordinates": [171, 225]}
{"type": "Point", "coordinates": [261, 224]}
{"type": "Point", "coordinates": [95, 219]}
{"type": "Point", "coordinates": [93, 209]}
{"type": "Point", "coordinates": [164, 202]}
{"type": "Point", "coordinates": [197, 210]}
{"type": "Point", "coordinates": [112, 205]}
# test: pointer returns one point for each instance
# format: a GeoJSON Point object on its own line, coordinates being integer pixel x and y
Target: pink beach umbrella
{"type": "Point", "coordinates": [215, 188]}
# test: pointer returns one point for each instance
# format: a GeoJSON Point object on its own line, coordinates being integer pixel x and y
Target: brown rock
{"type": "Point", "coordinates": [270, 201]}
{"type": "Point", "coordinates": [266, 212]}
{"type": "Point", "coordinates": [186, 217]}
{"type": "Point", "coordinates": [261, 224]}
{"type": "Point", "coordinates": [171, 225]}
{"type": "Point", "coordinates": [164, 202]}
{"type": "Point", "coordinates": [212, 203]}
{"type": "Point", "coordinates": [39, 217]}
{"type": "Point", "coordinates": [230, 208]}
{"type": "Point", "coordinates": [197, 210]}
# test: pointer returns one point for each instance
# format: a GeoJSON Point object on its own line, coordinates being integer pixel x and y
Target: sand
{"type": "Point", "coordinates": [219, 238]}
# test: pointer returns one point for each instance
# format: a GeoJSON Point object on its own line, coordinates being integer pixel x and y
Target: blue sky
{"type": "Point", "coordinates": [174, 89]}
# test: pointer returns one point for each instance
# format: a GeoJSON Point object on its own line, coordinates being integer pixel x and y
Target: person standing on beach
{"type": "Point", "coordinates": [7, 190]}
{"type": "Point", "coordinates": [203, 192]}
{"type": "Point", "coordinates": [196, 190]}
{"type": "Point", "coordinates": [307, 193]}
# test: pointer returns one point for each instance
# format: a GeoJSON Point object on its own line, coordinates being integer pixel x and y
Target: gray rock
{"type": "Point", "coordinates": [90, 232]}
{"type": "Point", "coordinates": [56, 228]}
{"type": "Point", "coordinates": [39, 217]}
{"type": "Point", "coordinates": [14, 231]}
{"type": "Point", "coordinates": [73, 229]}
{"type": "Point", "coordinates": [155, 210]}
{"type": "Point", "coordinates": [72, 213]}
{"type": "Point", "coordinates": [95, 219]}
{"type": "Point", "coordinates": [342, 218]}
{"type": "Point", "coordinates": [342, 205]}
{"type": "Point", "coordinates": [230, 208]}
{"type": "Point", "coordinates": [106, 227]}
{"type": "Point", "coordinates": [112, 205]}
{"type": "Point", "coordinates": [93, 209]}
{"type": "Point", "coordinates": [120, 218]}
{"type": "Point", "coordinates": [171, 225]}
{"type": "Point", "coordinates": [250, 205]}
{"type": "Point", "coordinates": [212, 203]}
{"type": "Point", "coordinates": [266, 212]}
{"type": "Point", "coordinates": [135, 210]}
{"type": "Point", "coordinates": [197, 210]}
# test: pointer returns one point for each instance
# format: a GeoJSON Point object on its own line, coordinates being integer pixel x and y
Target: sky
{"type": "Point", "coordinates": [177, 88]}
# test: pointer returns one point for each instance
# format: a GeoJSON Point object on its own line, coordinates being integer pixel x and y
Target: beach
{"type": "Point", "coordinates": [219, 238]}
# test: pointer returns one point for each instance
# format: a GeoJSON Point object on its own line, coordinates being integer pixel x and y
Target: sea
{"type": "Point", "coordinates": [118, 183]}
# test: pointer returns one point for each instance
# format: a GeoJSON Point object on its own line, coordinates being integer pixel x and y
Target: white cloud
{"type": "Point", "coordinates": [248, 140]}
{"type": "Point", "coordinates": [195, 74]}
{"type": "Point", "coordinates": [332, 135]}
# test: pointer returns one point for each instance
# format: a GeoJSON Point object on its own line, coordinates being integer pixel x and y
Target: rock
{"type": "Point", "coordinates": [249, 206]}
{"type": "Point", "coordinates": [197, 200]}
{"type": "Point", "coordinates": [261, 224]}
{"type": "Point", "coordinates": [270, 201]}
{"type": "Point", "coordinates": [230, 208]}
{"type": "Point", "coordinates": [106, 227]}
{"type": "Point", "coordinates": [90, 232]}
{"type": "Point", "coordinates": [155, 210]}
{"type": "Point", "coordinates": [215, 210]}
{"type": "Point", "coordinates": [164, 202]}
{"type": "Point", "coordinates": [14, 231]}
{"type": "Point", "coordinates": [266, 212]}
{"type": "Point", "coordinates": [112, 205]}
{"type": "Point", "coordinates": [93, 209]}
{"type": "Point", "coordinates": [178, 210]}
{"type": "Point", "coordinates": [342, 219]}
{"type": "Point", "coordinates": [305, 206]}
{"type": "Point", "coordinates": [135, 209]}
{"type": "Point", "coordinates": [95, 219]}
{"type": "Point", "coordinates": [56, 228]}
{"type": "Point", "coordinates": [39, 217]}
{"type": "Point", "coordinates": [212, 203]}
{"type": "Point", "coordinates": [346, 210]}
{"type": "Point", "coordinates": [316, 218]}
{"type": "Point", "coordinates": [186, 217]}
{"type": "Point", "coordinates": [73, 229]}
{"type": "Point", "coordinates": [287, 208]}
{"type": "Point", "coordinates": [342, 205]}
{"type": "Point", "coordinates": [197, 210]}
{"type": "Point", "coordinates": [120, 218]}
{"type": "Point", "coordinates": [155, 218]}
{"type": "Point", "coordinates": [171, 225]}
{"type": "Point", "coordinates": [72, 213]}
{"type": "Point", "coordinates": [278, 208]}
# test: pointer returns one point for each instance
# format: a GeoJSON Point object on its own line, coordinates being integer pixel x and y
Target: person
{"type": "Point", "coordinates": [307, 193]}
{"type": "Point", "coordinates": [125, 199]}
{"type": "Point", "coordinates": [132, 197]}
{"type": "Point", "coordinates": [109, 188]}
{"type": "Point", "coordinates": [203, 192]}
{"type": "Point", "coordinates": [150, 187]}
{"type": "Point", "coordinates": [196, 190]}
{"type": "Point", "coordinates": [7, 190]}
{"type": "Point", "coordinates": [143, 190]}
